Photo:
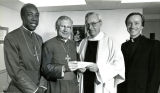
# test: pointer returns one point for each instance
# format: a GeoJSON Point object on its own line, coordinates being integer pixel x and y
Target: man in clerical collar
{"type": "Point", "coordinates": [141, 59]}
{"type": "Point", "coordinates": [22, 52]}
{"type": "Point", "coordinates": [135, 24]}
{"type": "Point", "coordinates": [59, 56]}
{"type": "Point", "coordinates": [30, 18]}
{"type": "Point", "coordinates": [107, 68]}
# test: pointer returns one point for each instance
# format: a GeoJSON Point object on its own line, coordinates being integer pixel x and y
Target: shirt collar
{"type": "Point", "coordinates": [63, 40]}
{"type": "Point", "coordinates": [27, 29]}
{"type": "Point", "coordinates": [98, 37]}
{"type": "Point", "coordinates": [135, 39]}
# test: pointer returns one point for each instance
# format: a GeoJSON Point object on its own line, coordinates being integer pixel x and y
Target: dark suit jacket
{"type": "Point", "coordinates": [142, 60]}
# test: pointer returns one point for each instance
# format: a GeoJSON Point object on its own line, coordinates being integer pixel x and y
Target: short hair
{"type": "Point", "coordinates": [62, 18]}
{"type": "Point", "coordinates": [23, 9]}
{"type": "Point", "coordinates": [92, 13]}
{"type": "Point", "coordinates": [135, 13]}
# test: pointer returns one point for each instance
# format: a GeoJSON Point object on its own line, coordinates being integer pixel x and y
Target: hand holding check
{"type": "Point", "coordinates": [93, 67]}
{"type": "Point", "coordinates": [74, 65]}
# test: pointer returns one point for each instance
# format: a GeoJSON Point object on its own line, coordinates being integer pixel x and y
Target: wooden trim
{"type": "Point", "coordinates": [3, 33]}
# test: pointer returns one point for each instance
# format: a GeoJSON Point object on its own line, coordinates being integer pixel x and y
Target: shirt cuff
{"type": "Point", "coordinates": [35, 90]}
{"type": "Point", "coordinates": [43, 87]}
{"type": "Point", "coordinates": [63, 70]}
{"type": "Point", "coordinates": [98, 78]}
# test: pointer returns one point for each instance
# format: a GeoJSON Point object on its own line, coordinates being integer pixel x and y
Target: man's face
{"type": "Point", "coordinates": [65, 28]}
{"type": "Point", "coordinates": [30, 18]}
{"type": "Point", "coordinates": [93, 25]}
{"type": "Point", "coordinates": [134, 26]}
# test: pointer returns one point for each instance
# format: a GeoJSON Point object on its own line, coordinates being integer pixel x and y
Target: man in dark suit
{"type": "Point", "coordinates": [141, 59]}
{"type": "Point", "coordinates": [22, 51]}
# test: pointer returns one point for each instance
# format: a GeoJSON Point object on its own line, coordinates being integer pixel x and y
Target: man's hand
{"type": "Point", "coordinates": [82, 70]}
{"type": "Point", "coordinates": [93, 67]}
{"type": "Point", "coordinates": [73, 65]}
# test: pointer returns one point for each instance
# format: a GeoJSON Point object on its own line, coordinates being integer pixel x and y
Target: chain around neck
{"type": "Point", "coordinates": [28, 44]}
{"type": "Point", "coordinates": [66, 50]}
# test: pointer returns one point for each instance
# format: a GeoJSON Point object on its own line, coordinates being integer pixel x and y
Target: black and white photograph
{"type": "Point", "coordinates": [79, 46]}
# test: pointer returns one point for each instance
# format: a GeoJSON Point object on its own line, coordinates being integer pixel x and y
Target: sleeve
{"type": "Point", "coordinates": [113, 66]}
{"type": "Point", "coordinates": [116, 61]}
{"type": "Point", "coordinates": [153, 81]}
{"type": "Point", "coordinates": [14, 69]}
{"type": "Point", "coordinates": [50, 70]}
{"type": "Point", "coordinates": [43, 83]}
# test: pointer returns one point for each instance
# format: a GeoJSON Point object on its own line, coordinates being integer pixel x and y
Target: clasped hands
{"type": "Point", "coordinates": [73, 65]}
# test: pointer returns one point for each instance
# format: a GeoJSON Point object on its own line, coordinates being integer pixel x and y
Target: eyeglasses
{"type": "Point", "coordinates": [93, 23]}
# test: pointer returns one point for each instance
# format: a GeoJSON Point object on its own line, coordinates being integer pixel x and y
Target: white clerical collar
{"type": "Point", "coordinates": [65, 40]}
{"type": "Point", "coordinates": [98, 37]}
{"type": "Point", "coordinates": [27, 29]}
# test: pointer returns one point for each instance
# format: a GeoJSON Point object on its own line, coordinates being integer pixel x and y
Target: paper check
{"type": "Point", "coordinates": [83, 64]}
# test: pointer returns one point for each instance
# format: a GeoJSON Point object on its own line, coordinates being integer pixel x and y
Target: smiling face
{"type": "Point", "coordinates": [30, 17]}
{"type": "Point", "coordinates": [134, 25]}
{"type": "Point", "coordinates": [64, 29]}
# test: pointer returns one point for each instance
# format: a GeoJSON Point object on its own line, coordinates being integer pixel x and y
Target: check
{"type": "Point", "coordinates": [83, 64]}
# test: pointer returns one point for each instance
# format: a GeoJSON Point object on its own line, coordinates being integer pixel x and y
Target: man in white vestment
{"type": "Point", "coordinates": [107, 69]}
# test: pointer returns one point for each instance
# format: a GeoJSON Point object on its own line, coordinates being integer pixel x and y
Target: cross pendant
{"type": "Point", "coordinates": [36, 54]}
{"type": "Point", "coordinates": [67, 58]}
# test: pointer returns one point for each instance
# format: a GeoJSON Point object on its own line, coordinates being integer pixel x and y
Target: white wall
{"type": "Point", "coordinates": [113, 22]}
{"type": "Point", "coordinates": [11, 19]}
{"type": "Point", "coordinates": [2, 64]}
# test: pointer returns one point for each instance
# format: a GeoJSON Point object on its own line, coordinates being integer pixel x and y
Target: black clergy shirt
{"type": "Point", "coordinates": [90, 56]}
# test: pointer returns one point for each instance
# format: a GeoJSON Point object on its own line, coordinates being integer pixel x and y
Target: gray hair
{"type": "Point", "coordinates": [93, 13]}
{"type": "Point", "coordinates": [62, 18]}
